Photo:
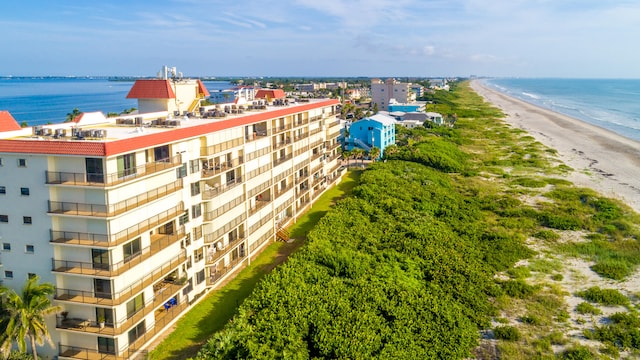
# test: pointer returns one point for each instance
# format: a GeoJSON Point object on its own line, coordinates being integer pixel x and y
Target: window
{"type": "Point", "coordinates": [4, 218]}
{"type": "Point", "coordinates": [102, 288]}
{"type": "Point", "coordinates": [6, 247]}
{"type": "Point", "coordinates": [131, 250]}
{"type": "Point", "coordinates": [195, 188]}
{"type": "Point", "coordinates": [197, 232]}
{"type": "Point", "coordinates": [184, 218]}
{"type": "Point", "coordinates": [22, 162]}
{"type": "Point", "coordinates": [29, 249]}
{"type": "Point", "coordinates": [200, 276]}
{"type": "Point", "coordinates": [1, 162]}
{"type": "Point", "coordinates": [95, 170]}
{"type": "Point", "coordinates": [27, 220]}
{"type": "Point", "coordinates": [196, 211]}
{"type": "Point", "coordinates": [24, 191]}
{"type": "Point", "coordinates": [181, 171]}
{"type": "Point", "coordinates": [161, 153]}
{"type": "Point", "coordinates": [8, 274]}
{"type": "Point", "coordinates": [134, 305]}
{"type": "Point", "coordinates": [106, 345]}
{"type": "Point", "coordinates": [126, 165]}
{"type": "Point", "coordinates": [136, 332]}
{"type": "Point", "coordinates": [100, 259]}
{"type": "Point", "coordinates": [194, 166]}
{"type": "Point", "coordinates": [3, 190]}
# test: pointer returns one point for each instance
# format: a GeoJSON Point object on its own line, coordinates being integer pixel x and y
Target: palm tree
{"type": "Point", "coordinates": [23, 316]}
{"type": "Point", "coordinates": [346, 154]}
{"type": "Point", "coordinates": [358, 153]}
{"type": "Point", "coordinates": [374, 153]}
{"type": "Point", "coordinates": [72, 115]}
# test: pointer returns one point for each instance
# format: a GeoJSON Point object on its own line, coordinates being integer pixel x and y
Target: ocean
{"type": "Point", "coordinates": [613, 104]}
{"type": "Point", "coordinates": [43, 100]}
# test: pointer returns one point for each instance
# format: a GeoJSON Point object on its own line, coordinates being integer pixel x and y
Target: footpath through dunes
{"type": "Point", "coordinates": [603, 160]}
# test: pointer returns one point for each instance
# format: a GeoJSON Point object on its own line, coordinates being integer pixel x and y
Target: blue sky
{"type": "Point", "coordinates": [372, 38]}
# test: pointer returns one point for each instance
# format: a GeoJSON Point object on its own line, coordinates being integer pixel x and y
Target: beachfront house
{"type": "Point", "coordinates": [377, 130]}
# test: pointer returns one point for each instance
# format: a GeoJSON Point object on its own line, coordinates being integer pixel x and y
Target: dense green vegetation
{"type": "Point", "coordinates": [405, 268]}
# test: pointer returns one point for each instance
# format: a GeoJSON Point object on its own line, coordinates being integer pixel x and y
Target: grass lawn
{"type": "Point", "coordinates": [212, 313]}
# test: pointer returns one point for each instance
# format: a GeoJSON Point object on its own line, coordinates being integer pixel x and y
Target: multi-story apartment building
{"type": "Point", "coordinates": [383, 92]}
{"type": "Point", "coordinates": [135, 218]}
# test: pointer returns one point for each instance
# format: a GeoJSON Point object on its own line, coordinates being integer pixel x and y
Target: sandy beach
{"type": "Point", "coordinates": [602, 160]}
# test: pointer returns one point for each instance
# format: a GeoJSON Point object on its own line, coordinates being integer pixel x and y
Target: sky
{"type": "Point", "coordinates": [317, 38]}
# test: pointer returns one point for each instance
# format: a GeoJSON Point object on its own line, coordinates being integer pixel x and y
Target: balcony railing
{"type": "Point", "coordinates": [112, 299]}
{"type": "Point", "coordinates": [280, 145]}
{"type": "Point", "coordinates": [99, 210]}
{"type": "Point", "coordinates": [161, 296]}
{"type": "Point", "coordinates": [209, 170]}
{"type": "Point", "coordinates": [158, 243]}
{"type": "Point", "coordinates": [214, 214]}
{"type": "Point", "coordinates": [219, 274]}
{"type": "Point", "coordinates": [281, 128]}
{"type": "Point", "coordinates": [214, 236]}
{"type": "Point", "coordinates": [215, 254]}
{"type": "Point", "coordinates": [218, 189]}
{"type": "Point", "coordinates": [104, 240]}
{"type": "Point", "coordinates": [259, 205]}
{"type": "Point", "coordinates": [218, 148]}
{"type": "Point", "coordinates": [282, 159]}
{"type": "Point", "coordinates": [278, 192]}
{"type": "Point", "coordinates": [131, 351]}
{"type": "Point", "coordinates": [89, 179]}
{"type": "Point", "coordinates": [266, 237]}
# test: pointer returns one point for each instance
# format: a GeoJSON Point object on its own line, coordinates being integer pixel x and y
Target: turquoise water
{"type": "Point", "coordinates": [48, 100]}
{"type": "Point", "coordinates": [613, 104]}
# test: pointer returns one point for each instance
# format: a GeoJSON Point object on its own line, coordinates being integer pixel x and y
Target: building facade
{"type": "Point", "coordinates": [377, 130]}
{"type": "Point", "coordinates": [383, 92]}
{"type": "Point", "coordinates": [135, 218]}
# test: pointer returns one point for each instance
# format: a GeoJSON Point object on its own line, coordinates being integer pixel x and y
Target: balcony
{"type": "Point", "coordinates": [210, 169]}
{"type": "Point", "coordinates": [104, 240]}
{"type": "Point", "coordinates": [216, 190]}
{"type": "Point", "coordinates": [280, 145]}
{"type": "Point", "coordinates": [218, 148]}
{"type": "Point", "coordinates": [161, 296]}
{"type": "Point", "coordinates": [219, 274]}
{"type": "Point", "coordinates": [210, 238]}
{"type": "Point", "coordinates": [282, 159]}
{"type": "Point", "coordinates": [278, 192]}
{"type": "Point", "coordinates": [158, 243]}
{"type": "Point", "coordinates": [111, 299]}
{"type": "Point", "coordinates": [259, 205]}
{"type": "Point", "coordinates": [281, 128]}
{"type": "Point", "coordinates": [216, 254]}
{"type": "Point", "coordinates": [102, 180]}
{"type": "Point", "coordinates": [132, 351]}
{"type": "Point", "coordinates": [99, 210]}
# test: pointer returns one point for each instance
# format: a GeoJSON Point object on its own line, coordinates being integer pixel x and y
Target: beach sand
{"type": "Point", "coordinates": [602, 160]}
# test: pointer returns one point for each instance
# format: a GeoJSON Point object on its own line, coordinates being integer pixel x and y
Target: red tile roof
{"type": "Point", "coordinates": [7, 122]}
{"type": "Point", "coordinates": [151, 89]}
{"type": "Point", "coordinates": [203, 89]}
{"type": "Point", "coordinates": [110, 148]}
{"type": "Point", "coordinates": [270, 94]}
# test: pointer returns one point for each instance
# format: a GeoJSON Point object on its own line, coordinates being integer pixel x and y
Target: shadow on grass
{"type": "Point", "coordinates": [211, 315]}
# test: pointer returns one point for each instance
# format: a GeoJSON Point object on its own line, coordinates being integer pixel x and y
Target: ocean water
{"type": "Point", "coordinates": [38, 101]}
{"type": "Point", "coordinates": [613, 104]}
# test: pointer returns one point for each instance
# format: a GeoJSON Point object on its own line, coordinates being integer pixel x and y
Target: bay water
{"type": "Point", "coordinates": [44, 100]}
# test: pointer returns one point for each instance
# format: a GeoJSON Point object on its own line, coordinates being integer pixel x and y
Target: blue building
{"type": "Point", "coordinates": [378, 130]}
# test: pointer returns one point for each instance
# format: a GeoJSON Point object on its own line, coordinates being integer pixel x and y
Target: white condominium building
{"type": "Point", "coordinates": [383, 92]}
{"type": "Point", "coordinates": [135, 218]}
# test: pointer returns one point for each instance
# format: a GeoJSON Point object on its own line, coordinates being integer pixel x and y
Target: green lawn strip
{"type": "Point", "coordinates": [212, 313]}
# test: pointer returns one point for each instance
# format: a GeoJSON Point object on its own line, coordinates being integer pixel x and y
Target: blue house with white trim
{"type": "Point", "coordinates": [378, 130]}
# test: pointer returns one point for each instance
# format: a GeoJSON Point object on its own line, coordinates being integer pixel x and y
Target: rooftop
{"type": "Point", "coordinates": [94, 134]}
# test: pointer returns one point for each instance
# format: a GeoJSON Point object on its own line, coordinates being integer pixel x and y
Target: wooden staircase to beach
{"type": "Point", "coordinates": [283, 234]}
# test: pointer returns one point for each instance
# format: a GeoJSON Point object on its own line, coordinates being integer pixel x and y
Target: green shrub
{"type": "Point", "coordinates": [529, 182]}
{"type": "Point", "coordinates": [578, 352]}
{"type": "Point", "coordinates": [547, 235]}
{"type": "Point", "coordinates": [604, 296]}
{"type": "Point", "coordinates": [587, 308]}
{"type": "Point", "coordinates": [518, 289]}
{"type": "Point", "coordinates": [508, 333]}
{"type": "Point", "coordinates": [557, 338]}
{"type": "Point", "coordinates": [616, 269]}
{"type": "Point", "coordinates": [557, 277]}
{"type": "Point", "coordinates": [531, 320]}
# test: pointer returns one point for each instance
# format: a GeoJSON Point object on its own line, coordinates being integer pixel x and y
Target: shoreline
{"type": "Point", "coordinates": [602, 160]}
